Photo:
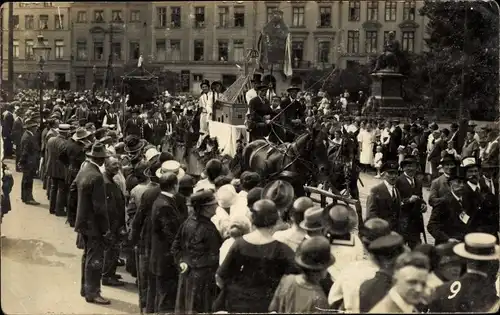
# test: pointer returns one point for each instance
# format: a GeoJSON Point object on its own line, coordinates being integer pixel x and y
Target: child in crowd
{"type": "Point", "coordinates": [451, 150]}
{"type": "Point", "coordinates": [377, 160]}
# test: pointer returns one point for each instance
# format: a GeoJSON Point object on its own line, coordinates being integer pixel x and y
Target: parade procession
{"type": "Point", "coordinates": [276, 192]}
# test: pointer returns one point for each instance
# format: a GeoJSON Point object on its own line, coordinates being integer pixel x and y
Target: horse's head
{"type": "Point", "coordinates": [312, 146]}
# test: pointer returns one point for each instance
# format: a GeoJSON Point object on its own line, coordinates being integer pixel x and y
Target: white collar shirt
{"type": "Point", "coordinates": [389, 188]}
{"type": "Point", "coordinates": [400, 302]}
{"type": "Point", "coordinates": [473, 186]}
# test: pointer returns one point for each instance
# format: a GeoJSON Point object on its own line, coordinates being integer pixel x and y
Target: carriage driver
{"type": "Point", "coordinates": [259, 114]}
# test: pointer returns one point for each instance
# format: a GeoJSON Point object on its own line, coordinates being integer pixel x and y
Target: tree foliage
{"type": "Point", "coordinates": [462, 56]}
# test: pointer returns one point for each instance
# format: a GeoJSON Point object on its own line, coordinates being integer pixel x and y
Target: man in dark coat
{"type": "Point", "coordinates": [148, 129]}
{"type": "Point", "coordinates": [412, 202]}
{"type": "Point", "coordinates": [92, 222]}
{"type": "Point", "coordinates": [17, 133]}
{"type": "Point", "coordinates": [166, 220]}
{"type": "Point", "coordinates": [384, 200]}
{"type": "Point", "coordinates": [7, 125]}
{"type": "Point", "coordinates": [30, 155]}
{"type": "Point", "coordinates": [116, 212]}
{"type": "Point", "coordinates": [133, 126]}
{"type": "Point", "coordinates": [294, 114]}
{"type": "Point", "coordinates": [394, 141]}
{"type": "Point", "coordinates": [94, 116]}
{"type": "Point", "coordinates": [58, 171]}
{"type": "Point", "coordinates": [434, 156]}
{"type": "Point", "coordinates": [259, 115]}
{"type": "Point", "coordinates": [440, 188]}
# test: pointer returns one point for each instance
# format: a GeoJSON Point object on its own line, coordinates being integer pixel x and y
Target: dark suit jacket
{"type": "Point", "coordinates": [440, 189]}
{"type": "Point", "coordinates": [7, 124]}
{"type": "Point", "coordinates": [492, 156]}
{"type": "Point", "coordinates": [89, 191]}
{"type": "Point", "coordinates": [395, 140]}
{"type": "Point", "coordinates": [55, 167]}
{"type": "Point", "coordinates": [470, 293]}
{"type": "Point", "coordinates": [445, 222]}
{"type": "Point", "coordinates": [373, 290]}
{"type": "Point", "coordinates": [380, 204]}
{"type": "Point", "coordinates": [292, 111]}
{"type": "Point", "coordinates": [140, 231]}
{"type": "Point", "coordinates": [115, 202]}
{"type": "Point", "coordinates": [165, 222]}
{"type": "Point", "coordinates": [133, 127]}
{"type": "Point", "coordinates": [412, 223]}
{"type": "Point", "coordinates": [17, 130]}
{"type": "Point", "coordinates": [258, 109]}
{"type": "Point", "coordinates": [30, 152]}
{"type": "Point", "coordinates": [435, 155]}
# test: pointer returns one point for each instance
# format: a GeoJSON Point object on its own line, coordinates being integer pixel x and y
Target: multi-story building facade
{"type": "Point", "coordinates": [30, 19]}
{"type": "Point", "coordinates": [209, 39]}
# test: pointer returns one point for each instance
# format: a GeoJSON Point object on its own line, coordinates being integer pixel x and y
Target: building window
{"type": "Point", "coordinates": [59, 49]}
{"type": "Point", "coordinates": [354, 10]}
{"type": "Point", "coordinates": [81, 17]}
{"type": "Point", "coordinates": [15, 46]}
{"type": "Point", "coordinates": [324, 52]}
{"type": "Point", "coordinates": [175, 50]}
{"type": "Point", "coordinates": [80, 82]}
{"type": "Point", "coordinates": [116, 16]}
{"type": "Point", "coordinates": [298, 16]}
{"type": "Point", "coordinates": [116, 50]}
{"type": "Point", "coordinates": [162, 16]}
{"type": "Point", "coordinates": [239, 50]}
{"type": "Point", "coordinates": [408, 41]}
{"type": "Point", "coordinates": [372, 11]}
{"type": "Point", "coordinates": [135, 16]}
{"type": "Point", "coordinates": [98, 51]}
{"type": "Point", "coordinates": [199, 16]}
{"type": "Point", "coordinates": [371, 42]}
{"type": "Point", "coordinates": [29, 22]}
{"type": "Point", "coordinates": [409, 10]}
{"type": "Point", "coordinates": [134, 50]}
{"type": "Point", "coordinates": [43, 22]}
{"type": "Point", "coordinates": [353, 42]}
{"type": "Point", "coordinates": [325, 15]}
{"type": "Point", "coordinates": [297, 52]}
{"type": "Point", "coordinates": [199, 50]}
{"type": "Point", "coordinates": [239, 16]}
{"type": "Point", "coordinates": [161, 50]}
{"type": "Point", "coordinates": [223, 16]}
{"type": "Point", "coordinates": [81, 50]}
{"type": "Point", "coordinates": [98, 16]}
{"type": "Point", "coordinates": [59, 22]}
{"type": "Point", "coordinates": [175, 17]}
{"type": "Point", "coordinates": [390, 10]}
{"type": "Point", "coordinates": [223, 48]}
{"type": "Point", "coordinates": [28, 46]}
{"type": "Point", "coordinates": [15, 22]}
{"type": "Point", "coordinates": [46, 43]}
{"type": "Point", "coordinates": [270, 12]}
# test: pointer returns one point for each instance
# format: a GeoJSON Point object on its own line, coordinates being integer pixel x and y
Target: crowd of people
{"type": "Point", "coordinates": [221, 243]}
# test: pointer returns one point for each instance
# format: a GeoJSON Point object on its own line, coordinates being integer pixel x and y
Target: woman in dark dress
{"type": "Point", "coordinates": [196, 252]}
{"type": "Point", "coordinates": [254, 265]}
{"type": "Point", "coordinates": [7, 184]}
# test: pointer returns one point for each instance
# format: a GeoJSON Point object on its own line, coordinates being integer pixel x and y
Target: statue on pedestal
{"type": "Point", "coordinates": [390, 59]}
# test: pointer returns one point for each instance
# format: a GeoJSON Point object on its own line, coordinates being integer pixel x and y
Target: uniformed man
{"type": "Point", "coordinates": [260, 113]}
{"type": "Point", "coordinates": [475, 290]}
{"type": "Point", "coordinates": [57, 170]}
{"type": "Point", "coordinates": [293, 112]}
{"type": "Point", "coordinates": [28, 162]}
{"type": "Point", "coordinates": [203, 106]}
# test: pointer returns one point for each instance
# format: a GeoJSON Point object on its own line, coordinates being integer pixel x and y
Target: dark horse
{"type": "Point", "coordinates": [297, 162]}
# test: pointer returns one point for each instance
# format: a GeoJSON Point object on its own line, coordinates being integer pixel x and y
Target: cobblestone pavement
{"type": "Point", "coordinates": [41, 265]}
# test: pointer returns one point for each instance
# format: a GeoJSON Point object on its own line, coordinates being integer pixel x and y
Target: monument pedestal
{"type": "Point", "coordinates": [387, 89]}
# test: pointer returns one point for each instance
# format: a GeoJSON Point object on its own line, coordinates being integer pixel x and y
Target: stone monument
{"type": "Point", "coordinates": [387, 81]}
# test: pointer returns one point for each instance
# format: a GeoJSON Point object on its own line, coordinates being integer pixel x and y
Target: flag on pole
{"type": "Point", "coordinates": [139, 63]}
{"type": "Point", "coordinates": [59, 13]}
{"type": "Point", "coordinates": [287, 67]}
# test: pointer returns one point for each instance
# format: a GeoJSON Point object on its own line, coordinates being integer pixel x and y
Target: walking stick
{"type": "Point", "coordinates": [139, 280]}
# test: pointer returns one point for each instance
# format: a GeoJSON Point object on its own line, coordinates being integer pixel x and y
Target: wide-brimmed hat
{"type": "Point", "coordinates": [313, 219]}
{"type": "Point", "coordinates": [133, 144]}
{"type": "Point", "coordinates": [151, 153]}
{"type": "Point", "coordinates": [340, 219]}
{"type": "Point", "coordinates": [408, 160]}
{"type": "Point", "coordinates": [171, 166]}
{"type": "Point", "coordinates": [314, 253]}
{"type": "Point", "coordinates": [478, 246]}
{"type": "Point", "coordinates": [81, 133]}
{"type": "Point", "coordinates": [387, 245]}
{"type": "Point", "coordinates": [281, 193]}
{"type": "Point", "coordinates": [98, 150]}
{"type": "Point", "coordinates": [63, 128]}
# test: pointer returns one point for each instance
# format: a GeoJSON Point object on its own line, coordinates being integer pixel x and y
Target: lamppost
{"type": "Point", "coordinates": [94, 84]}
{"type": "Point", "coordinates": [42, 52]}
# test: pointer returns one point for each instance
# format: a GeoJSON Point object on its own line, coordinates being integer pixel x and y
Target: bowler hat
{"type": "Point", "coordinates": [389, 166]}
{"type": "Point", "coordinates": [254, 195]}
{"type": "Point", "coordinates": [281, 193]}
{"type": "Point", "coordinates": [387, 245]}
{"type": "Point", "coordinates": [373, 229]}
{"type": "Point", "coordinates": [133, 144]}
{"type": "Point", "coordinates": [98, 150]}
{"type": "Point", "coordinates": [30, 123]}
{"type": "Point", "coordinates": [340, 219]}
{"type": "Point", "coordinates": [302, 204]}
{"type": "Point", "coordinates": [203, 198]}
{"type": "Point", "coordinates": [186, 182]}
{"type": "Point", "coordinates": [314, 254]}
{"type": "Point", "coordinates": [448, 159]}
{"type": "Point", "coordinates": [478, 246]}
{"type": "Point", "coordinates": [313, 219]}
{"type": "Point", "coordinates": [408, 160]}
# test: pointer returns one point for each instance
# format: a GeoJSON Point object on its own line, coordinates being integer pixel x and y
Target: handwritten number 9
{"type": "Point", "coordinates": [454, 289]}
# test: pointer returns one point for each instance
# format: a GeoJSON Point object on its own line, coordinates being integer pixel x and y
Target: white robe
{"type": "Point", "coordinates": [250, 94]}
{"type": "Point", "coordinates": [366, 139]}
{"type": "Point", "coordinates": [203, 104]}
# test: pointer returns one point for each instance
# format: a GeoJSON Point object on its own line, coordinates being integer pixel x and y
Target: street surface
{"type": "Point", "coordinates": [40, 264]}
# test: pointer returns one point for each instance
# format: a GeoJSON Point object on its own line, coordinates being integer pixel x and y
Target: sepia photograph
{"type": "Point", "coordinates": [183, 157]}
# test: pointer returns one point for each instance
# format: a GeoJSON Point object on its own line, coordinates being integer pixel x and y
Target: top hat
{"type": "Point", "coordinates": [256, 78]}
{"type": "Point", "coordinates": [314, 253]}
{"type": "Point", "coordinates": [133, 144]}
{"type": "Point", "coordinates": [478, 246]}
{"type": "Point", "coordinates": [313, 219]}
{"type": "Point", "coordinates": [340, 219]}
{"type": "Point", "coordinates": [81, 133]}
{"type": "Point", "coordinates": [98, 150]}
{"type": "Point", "coordinates": [204, 82]}
{"type": "Point", "coordinates": [281, 193]}
{"type": "Point", "coordinates": [170, 166]}
{"type": "Point", "coordinates": [215, 83]}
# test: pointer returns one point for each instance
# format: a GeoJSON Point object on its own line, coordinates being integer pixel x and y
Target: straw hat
{"type": "Point", "coordinates": [171, 166]}
{"type": "Point", "coordinates": [478, 246]}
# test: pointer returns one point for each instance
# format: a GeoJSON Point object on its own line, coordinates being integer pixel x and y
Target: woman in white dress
{"type": "Point", "coordinates": [366, 141]}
